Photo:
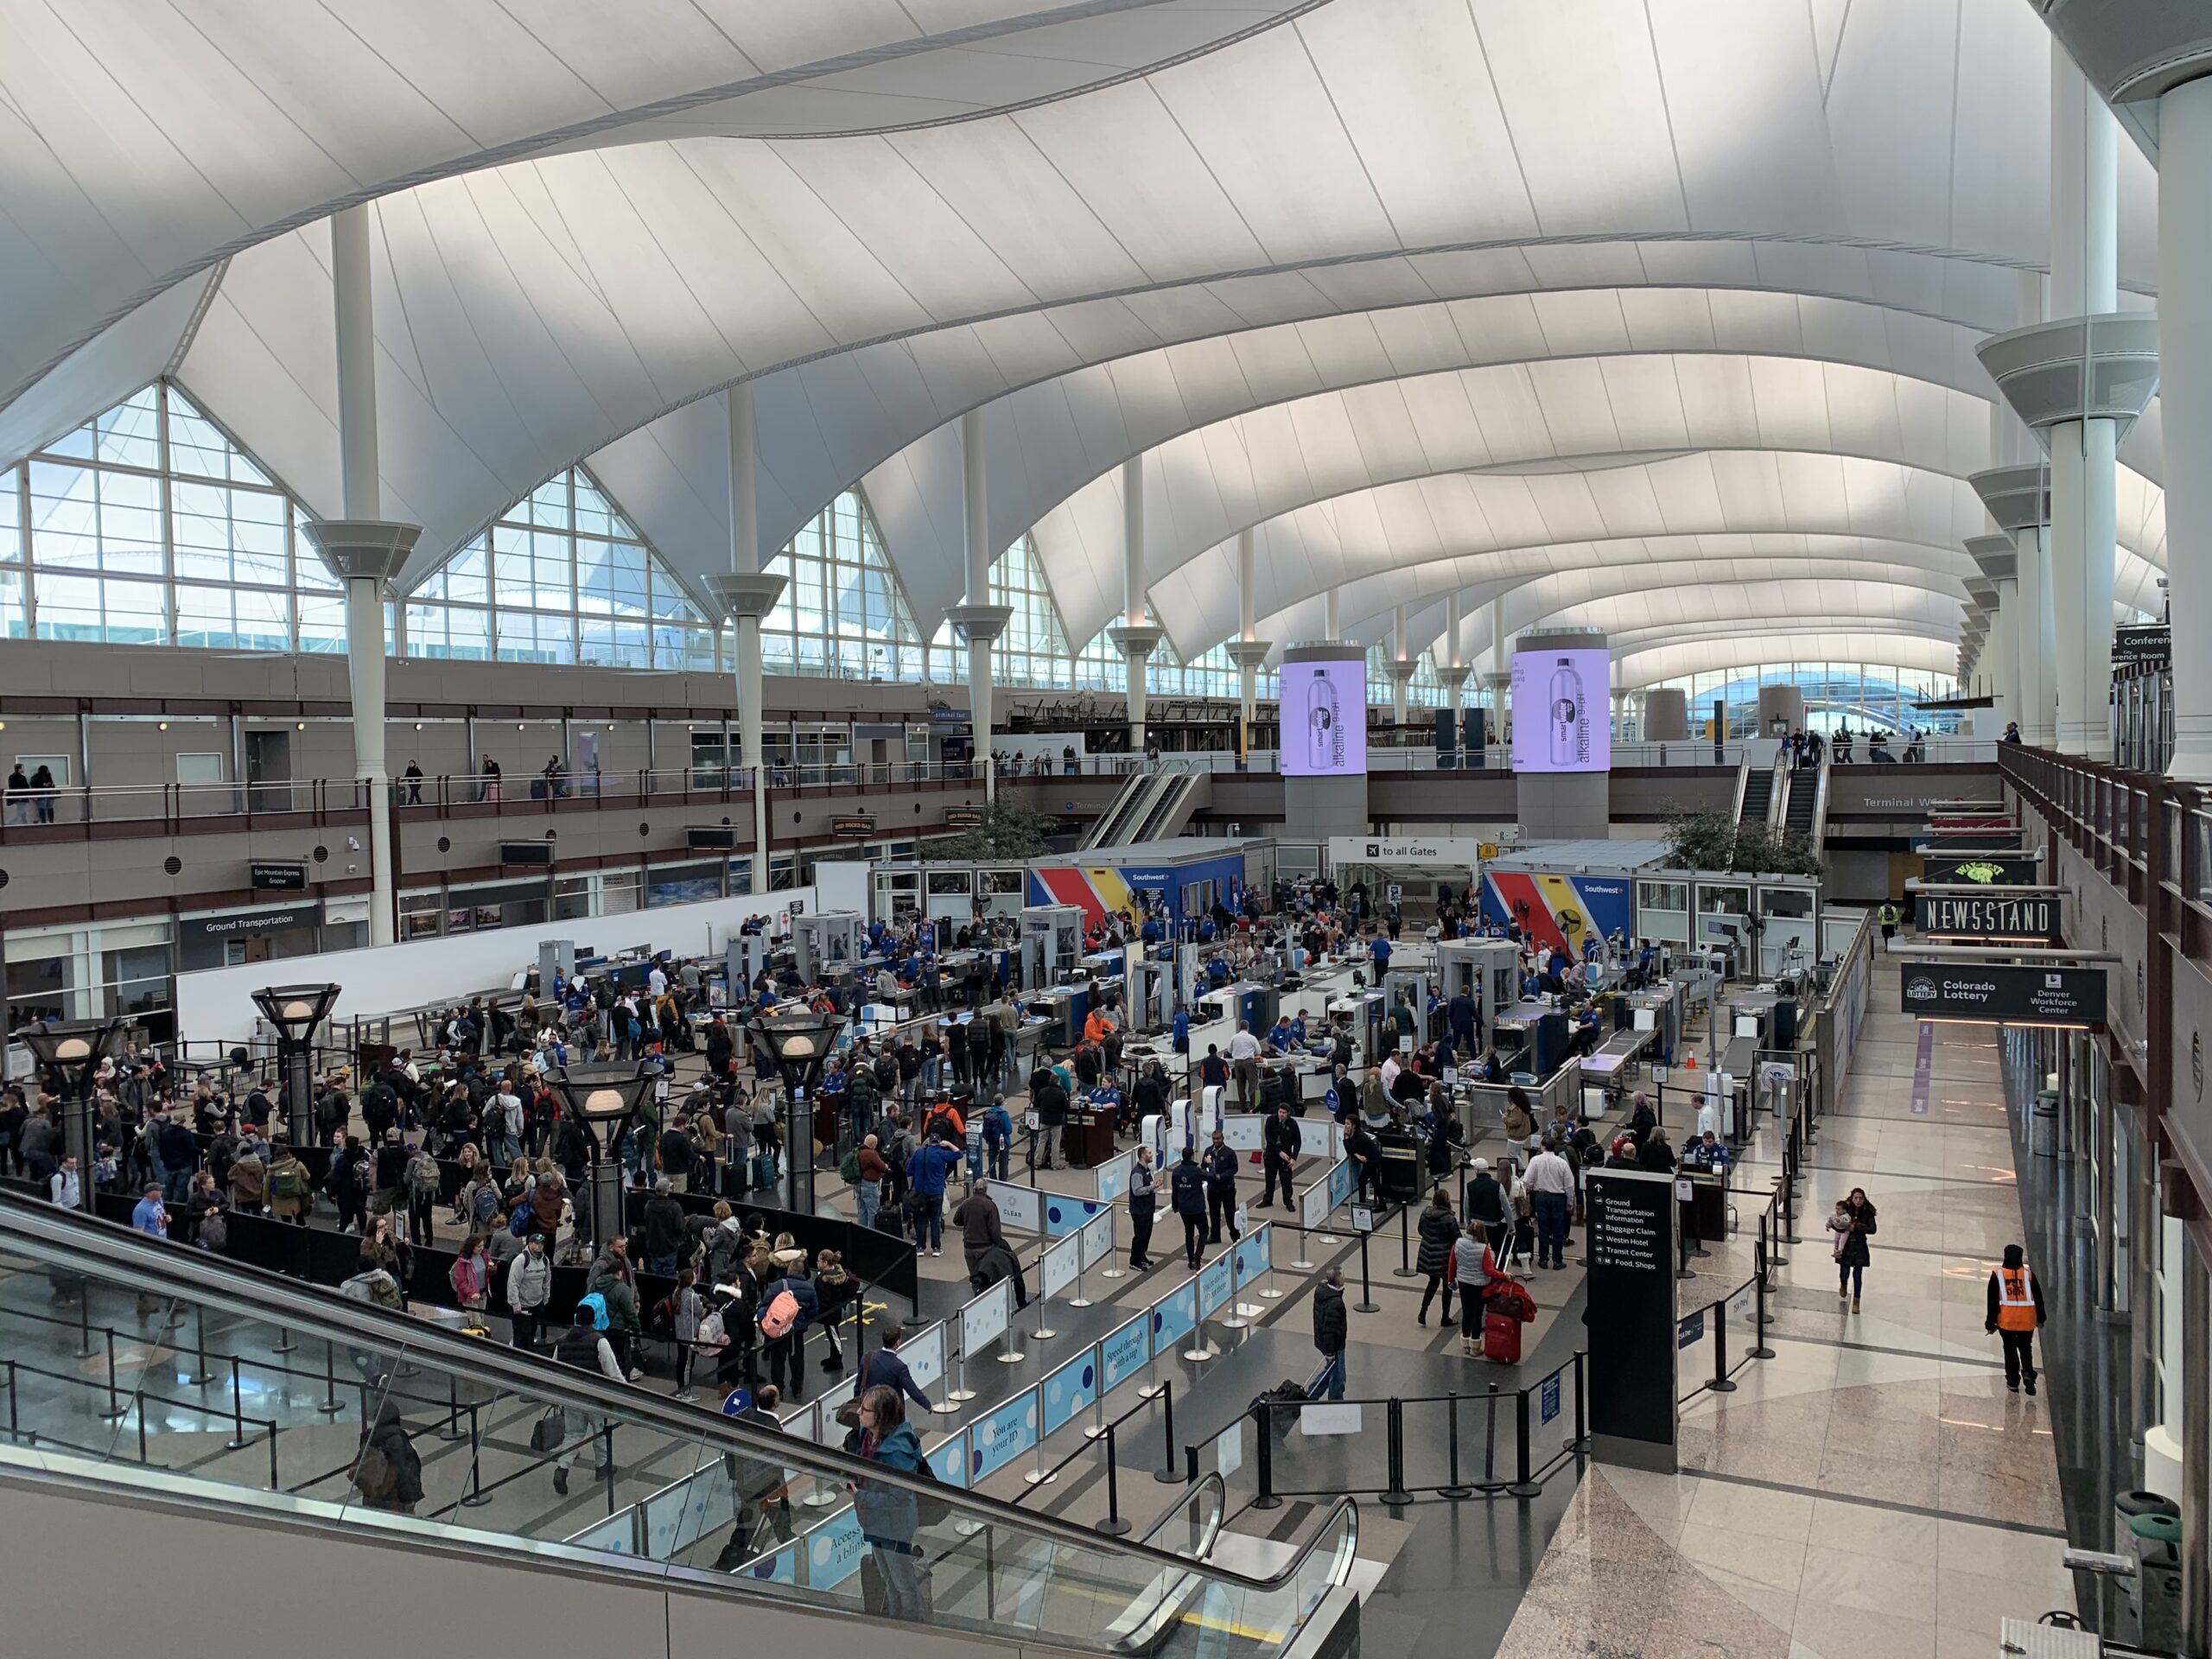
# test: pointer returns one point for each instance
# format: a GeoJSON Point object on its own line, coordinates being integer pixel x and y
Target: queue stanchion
{"type": "Point", "coordinates": [1405, 1270]}
{"type": "Point", "coordinates": [1039, 1475]}
{"type": "Point", "coordinates": [1299, 1263]}
{"type": "Point", "coordinates": [114, 1408]}
{"type": "Point", "coordinates": [1114, 1525]}
{"type": "Point", "coordinates": [1167, 1474]}
{"type": "Point", "coordinates": [960, 1393]}
{"type": "Point", "coordinates": [1760, 1317]}
{"type": "Point", "coordinates": [1264, 1421]}
{"type": "Point", "coordinates": [1722, 1383]}
{"type": "Point", "coordinates": [330, 1405]}
{"type": "Point", "coordinates": [1490, 1483]}
{"type": "Point", "coordinates": [1366, 1304]}
{"type": "Point", "coordinates": [84, 1321]}
{"type": "Point", "coordinates": [200, 1376]}
{"type": "Point", "coordinates": [476, 1497]}
{"type": "Point", "coordinates": [1457, 1488]}
{"type": "Point", "coordinates": [238, 1441]}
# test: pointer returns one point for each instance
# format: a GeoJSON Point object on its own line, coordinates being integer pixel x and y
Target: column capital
{"type": "Point", "coordinates": [979, 624]}
{"type": "Point", "coordinates": [2018, 498]}
{"type": "Point", "coordinates": [1249, 653]}
{"type": "Point", "coordinates": [1402, 669]}
{"type": "Point", "coordinates": [1137, 640]}
{"type": "Point", "coordinates": [356, 548]}
{"type": "Point", "coordinates": [2098, 368]}
{"type": "Point", "coordinates": [1995, 556]}
{"type": "Point", "coordinates": [742, 595]}
{"type": "Point", "coordinates": [1453, 677]}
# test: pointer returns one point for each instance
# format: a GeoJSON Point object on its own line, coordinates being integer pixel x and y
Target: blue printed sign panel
{"type": "Point", "coordinates": [1216, 1284]}
{"type": "Point", "coordinates": [782, 1567]}
{"type": "Point", "coordinates": [1689, 1330]}
{"type": "Point", "coordinates": [1548, 1400]}
{"type": "Point", "coordinates": [1124, 1352]}
{"type": "Point", "coordinates": [998, 1437]}
{"type": "Point", "coordinates": [1065, 1216]}
{"type": "Point", "coordinates": [1339, 1183]}
{"type": "Point", "coordinates": [950, 1459]}
{"type": "Point", "coordinates": [833, 1550]}
{"type": "Point", "coordinates": [1174, 1317]}
{"type": "Point", "coordinates": [1071, 1389]}
{"type": "Point", "coordinates": [1250, 1256]}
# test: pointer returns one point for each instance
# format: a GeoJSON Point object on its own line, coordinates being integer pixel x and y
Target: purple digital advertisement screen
{"type": "Point", "coordinates": [1561, 721]}
{"type": "Point", "coordinates": [1324, 708]}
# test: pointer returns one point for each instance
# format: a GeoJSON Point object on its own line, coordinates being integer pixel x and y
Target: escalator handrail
{"type": "Point", "coordinates": [1743, 783]}
{"type": "Point", "coordinates": [1818, 831]}
{"type": "Point", "coordinates": [151, 1265]}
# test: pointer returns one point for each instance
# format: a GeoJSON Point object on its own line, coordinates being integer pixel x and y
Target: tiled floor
{"type": "Point", "coordinates": [1873, 1489]}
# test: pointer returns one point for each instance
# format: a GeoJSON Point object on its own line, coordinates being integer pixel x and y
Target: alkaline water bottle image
{"type": "Point", "coordinates": [1321, 723]}
{"type": "Point", "coordinates": [1567, 709]}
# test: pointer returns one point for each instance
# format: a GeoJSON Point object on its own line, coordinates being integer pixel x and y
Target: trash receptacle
{"type": "Point", "coordinates": [2157, 1542]}
{"type": "Point", "coordinates": [2043, 1126]}
{"type": "Point", "coordinates": [2126, 1508]}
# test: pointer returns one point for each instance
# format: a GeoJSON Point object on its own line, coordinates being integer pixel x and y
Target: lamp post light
{"type": "Point", "coordinates": [798, 1045]}
{"type": "Point", "coordinates": [294, 1010]}
{"type": "Point", "coordinates": [68, 1056]}
{"type": "Point", "coordinates": [605, 1099]}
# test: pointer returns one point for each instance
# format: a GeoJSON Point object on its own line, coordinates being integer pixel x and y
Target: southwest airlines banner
{"type": "Point", "coordinates": [1560, 911]}
{"type": "Point", "coordinates": [1101, 890]}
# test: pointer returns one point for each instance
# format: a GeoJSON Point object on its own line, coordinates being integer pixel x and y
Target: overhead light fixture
{"type": "Point", "coordinates": [164, 726]}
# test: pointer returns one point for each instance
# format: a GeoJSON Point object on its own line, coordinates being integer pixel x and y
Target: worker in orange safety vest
{"type": "Point", "coordinates": [2015, 1310]}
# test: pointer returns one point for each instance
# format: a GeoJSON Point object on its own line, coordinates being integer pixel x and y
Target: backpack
{"type": "Point", "coordinates": [215, 1232]}
{"type": "Point", "coordinates": [660, 1319]}
{"type": "Point", "coordinates": [374, 1475]}
{"type": "Point", "coordinates": [592, 1305]}
{"type": "Point", "coordinates": [422, 1173]}
{"type": "Point", "coordinates": [930, 1510]}
{"type": "Point", "coordinates": [519, 1223]}
{"type": "Point", "coordinates": [779, 1316]}
{"type": "Point", "coordinates": [485, 1206]}
{"type": "Point", "coordinates": [848, 1169]}
{"type": "Point", "coordinates": [287, 1181]}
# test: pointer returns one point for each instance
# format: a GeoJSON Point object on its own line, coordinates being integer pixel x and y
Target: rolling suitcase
{"type": "Point", "coordinates": [1501, 1335]}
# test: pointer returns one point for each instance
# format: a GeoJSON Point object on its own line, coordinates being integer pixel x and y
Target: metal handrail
{"type": "Point", "coordinates": [253, 1293]}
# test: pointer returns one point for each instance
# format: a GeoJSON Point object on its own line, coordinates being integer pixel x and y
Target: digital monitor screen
{"type": "Point", "coordinates": [1561, 718]}
{"type": "Point", "coordinates": [1324, 708]}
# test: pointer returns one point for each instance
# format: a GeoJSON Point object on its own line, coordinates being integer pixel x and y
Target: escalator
{"type": "Point", "coordinates": [1117, 824]}
{"type": "Point", "coordinates": [1808, 806]}
{"type": "Point", "coordinates": [1757, 800]}
{"type": "Point", "coordinates": [138, 1373]}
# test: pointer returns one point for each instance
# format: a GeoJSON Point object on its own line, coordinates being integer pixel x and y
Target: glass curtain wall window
{"type": "Point", "coordinates": [841, 613]}
{"type": "Point", "coordinates": [146, 525]}
{"type": "Point", "coordinates": [562, 576]}
{"type": "Point", "coordinates": [1865, 697]}
{"type": "Point", "coordinates": [1424, 690]}
{"type": "Point", "coordinates": [1033, 651]}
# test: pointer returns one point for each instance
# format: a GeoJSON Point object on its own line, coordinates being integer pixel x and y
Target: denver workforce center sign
{"type": "Point", "coordinates": [1987, 916]}
{"type": "Point", "coordinates": [2000, 994]}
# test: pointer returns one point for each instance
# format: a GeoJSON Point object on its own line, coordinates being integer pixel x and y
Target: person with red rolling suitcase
{"type": "Point", "coordinates": [1509, 1307]}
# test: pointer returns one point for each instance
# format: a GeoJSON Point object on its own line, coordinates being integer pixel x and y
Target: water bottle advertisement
{"type": "Point", "coordinates": [1324, 718]}
{"type": "Point", "coordinates": [1561, 710]}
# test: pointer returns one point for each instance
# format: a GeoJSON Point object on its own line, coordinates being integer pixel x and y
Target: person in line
{"type": "Point", "coordinates": [1244, 1059]}
{"type": "Point", "coordinates": [787, 1353]}
{"type": "Point", "coordinates": [980, 1227]}
{"type": "Point", "coordinates": [1473, 1267]}
{"type": "Point", "coordinates": [926, 1170]}
{"type": "Point", "coordinates": [1440, 1230]}
{"type": "Point", "coordinates": [387, 1471]}
{"type": "Point", "coordinates": [885, 1368]}
{"type": "Point", "coordinates": [890, 1515]}
{"type": "Point", "coordinates": [1220, 1166]}
{"type": "Point", "coordinates": [1281, 1142]}
{"type": "Point", "coordinates": [868, 1191]}
{"type": "Point", "coordinates": [586, 1347]}
{"type": "Point", "coordinates": [2015, 1311]}
{"type": "Point", "coordinates": [1332, 1335]}
{"type": "Point", "coordinates": [1144, 1202]}
{"type": "Point", "coordinates": [1186, 1194]}
{"type": "Point", "coordinates": [1550, 1185]}
{"type": "Point", "coordinates": [530, 1287]}
{"type": "Point", "coordinates": [1850, 1227]}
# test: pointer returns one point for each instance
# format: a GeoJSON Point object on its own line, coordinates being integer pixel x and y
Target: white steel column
{"type": "Point", "coordinates": [361, 549]}
{"type": "Point", "coordinates": [1248, 651]}
{"type": "Point", "coordinates": [1136, 637]}
{"type": "Point", "coordinates": [1453, 670]}
{"type": "Point", "coordinates": [979, 620]}
{"type": "Point", "coordinates": [1332, 618]}
{"type": "Point", "coordinates": [2084, 282]}
{"type": "Point", "coordinates": [747, 595]}
{"type": "Point", "coordinates": [2185, 405]}
{"type": "Point", "coordinates": [1402, 665]}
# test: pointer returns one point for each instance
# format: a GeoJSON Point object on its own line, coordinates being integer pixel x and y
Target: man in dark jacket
{"type": "Point", "coordinates": [1331, 1334]}
{"type": "Point", "coordinates": [977, 1218]}
{"type": "Point", "coordinates": [663, 1230]}
{"type": "Point", "coordinates": [1186, 1194]}
{"type": "Point", "coordinates": [1280, 1142]}
{"type": "Point", "coordinates": [1220, 1165]}
{"type": "Point", "coordinates": [1052, 1104]}
{"type": "Point", "coordinates": [1366, 1155]}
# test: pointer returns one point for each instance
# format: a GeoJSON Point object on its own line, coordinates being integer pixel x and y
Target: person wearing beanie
{"type": "Point", "coordinates": [2016, 1310]}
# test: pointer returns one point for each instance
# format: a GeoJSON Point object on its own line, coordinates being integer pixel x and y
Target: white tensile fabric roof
{"type": "Point", "coordinates": [1432, 295]}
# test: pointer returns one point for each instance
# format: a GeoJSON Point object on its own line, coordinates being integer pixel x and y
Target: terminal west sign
{"type": "Point", "coordinates": [2004, 993]}
{"type": "Point", "coordinates": [1988, 916]}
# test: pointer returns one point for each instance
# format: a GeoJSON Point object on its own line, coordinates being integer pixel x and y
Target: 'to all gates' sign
{"type": "Point", "coordinates": [2002, 995]}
